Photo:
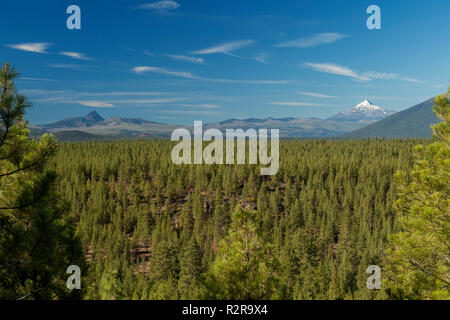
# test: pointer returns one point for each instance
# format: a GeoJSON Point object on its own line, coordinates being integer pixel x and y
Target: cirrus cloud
{"type": "Point", "coordinates": [96, 104]}
{"type": "Point", "coordinates": [296, 104]}
{"type": "Point", "coordinates": [186, 58]}
{"type": "Point", "coordinates": [366, 76]}
{"type": "Point", "coordinates": [336, 69]}
{"type": "Point", "coordinates": [75, 55]}
{"type": "Point", "coordinates": [37, 47]}
{"type": "Point", "coordinates": [316, 95]}
{"type": "Point", "coordinates": [182, 74]}
{"type": "Point", "coordinates": [226, 48]}
{"type": "Point", "coordinates": [314, 40]}
{"type": "Point", "coordinates": [164, 5]}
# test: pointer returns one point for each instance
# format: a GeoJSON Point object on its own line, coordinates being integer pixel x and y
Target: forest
{"type": "Point", "coordinates": [141, 227]}
{"type": "Point", "coordinates": [152, 229]}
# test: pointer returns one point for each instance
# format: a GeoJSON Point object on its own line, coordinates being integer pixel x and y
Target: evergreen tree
{"type": "Point", "coordinates": [244, 267]}
{"type": "Point", "coordinates": [189, 284]}
{"type": "Point", "coordinates": [37, 241]}
{"type": "Point", "coordinates": [419, 258]}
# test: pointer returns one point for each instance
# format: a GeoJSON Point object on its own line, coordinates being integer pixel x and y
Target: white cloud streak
{"type": "Point", "coordinates": [188, 75]}
{"type": "Point", "coordinates": [336, 69]}
{"type": "Point", "coordinates": [411, 80]}
{"type": "Point", "coordinates": [248, 81]}
{"type": "Point", "coordinates": [313, 40]}
{"type": "Point", "coordinates": [96, 104]}
{"type": "Point", "coordinates": [143, 101]}
{"type": "Point", "coordinates": [186, 58]}
{"type": "Point", "coordinates": [35, 79]}
{"type": "Point", "coordinates": [164, 5]}
{"type": "Point", "coordinates": [74, 55]}
{"type": "Point", "coordinates": [366, 76]}
{"type": "Point", "coordinates": [181, 74]}
{"type": "Point", "coordinates": [197, 112]}
{"type": "Point", "coordinates": [206, 106]}
{"type": "Point", "coordinates": [261, 57]}
{"type": "Point", "coordinates": [37, 47]}
{"type": "Point", "coordinates": [226, 48]}
{"type": "Point", "coordinates": [67, 66]}
{"type": "Point", "coordinates": [296, 104]}
{"type": "Point", "coordinates": [380, 75]}
{"type": "Point", "coordinates": [316, 95]}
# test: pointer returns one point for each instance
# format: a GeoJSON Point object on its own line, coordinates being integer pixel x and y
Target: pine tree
{"type": "Point", "coordinates": [37, 241]}
{"type": "Point", "coordinates": [418, 261]}
{"type": "Point", "coordinates": [244, 267]}
{"type": "Point", "coordinates": [190, 271]}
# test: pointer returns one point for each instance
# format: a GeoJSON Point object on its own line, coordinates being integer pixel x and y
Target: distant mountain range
{"type": "Point", "coordinates": [413, 122]}
{"type": "Point", "coordinates": [94, 127]}
{"type": "Point", "coordinates": [358, 122]}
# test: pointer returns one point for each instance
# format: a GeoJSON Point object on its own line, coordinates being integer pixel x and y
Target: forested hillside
{"type": "Point", "coordinates": [413, 122]}
{"type": "Point", "coordinates": [154, 230]}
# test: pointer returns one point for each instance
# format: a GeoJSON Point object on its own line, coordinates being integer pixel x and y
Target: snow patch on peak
{"type": "Point", "coordinates": [366, 105]}
{"type": "Point", "coordinates": [365, 110]}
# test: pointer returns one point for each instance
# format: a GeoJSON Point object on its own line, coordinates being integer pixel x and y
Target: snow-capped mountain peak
{"type": "Point", "coordinates": [364, 110]}
{"type": "Point", "coordinates": [366, 106]}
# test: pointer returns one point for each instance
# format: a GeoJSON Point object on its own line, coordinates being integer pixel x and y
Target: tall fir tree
{"type": "Point", "coordinates": [37, 241]}
{"type": "Point", "coordinates": [244, 267]}
{"type": "Point", "coordinates": [418, 260]}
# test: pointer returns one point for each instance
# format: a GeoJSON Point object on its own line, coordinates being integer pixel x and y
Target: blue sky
{"type": "Point", "coordinates": [179, 61]}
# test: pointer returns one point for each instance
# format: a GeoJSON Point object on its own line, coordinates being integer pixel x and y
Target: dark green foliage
{"type": "Point", "coordinates": [37, 241]}
{"type": "Point", "coordinates": [419, 257]}
{"type": "Point", "coordinates": [162, 231]}
{"type": "Point", "coordinates": [244, 267]}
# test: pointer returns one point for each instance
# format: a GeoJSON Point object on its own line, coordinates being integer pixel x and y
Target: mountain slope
{"type": "Point", "coordinates": [365, 110]}
{"type": "Point", "coordinates": [89, 120]}
{"type": "Point", "coordinates": [413, 122]}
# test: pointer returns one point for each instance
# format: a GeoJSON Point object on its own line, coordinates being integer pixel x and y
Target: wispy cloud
{"type": "Point", "coordinates": [109, 103]}
{"type": "Point", "coordinates": [205, 105]}
{"type": "Point", "coordinates": [389, 76]}
{"type": "Point", "coordinates": [35, 79]}
{"type": "Point", "coordinates": [181, 74]}
{"type": "Point", "coordinates": [380, 97]}
{"type": "Point", "coordinates": [161, 6]}
{"type": "Point", "coordinates": [196, 112]}
{"type": "Point", "coordinates": [122, 93]}
{"type": "Point", "coordinates": [74, 55]}
{"type": "Point", "coordinates": [44, 92]}
{"type": "Point", "coordinates": [411, 80]}
{"type": "Point", "coordinates": [68, 93]}
{"type": "Point", "coordinates": [144, 101]}
{"type": "Point", "coordinates": [296, 104]}
{"type": "Point", "coordinates": [248, 81]}
{"type": "Point", "coordinates": [113, 99]}
{"type": "Point", "coordinates": [380, 75]}
{"type": "Point", "coordinates": [189, 75]}
{"type": "Point", "coordinates": [37, 47]}
{"type": "Point", "coordinates": [313, 40]}
{"type": "Point", "coordinates": [96, 104]}
{"type": "Point", "coordinates": [186, 58]}
{"type": "Point", "coordinates": [366, 76]}
{"type": "Point", "coordinates": [67, 66]}
{"type": "Point", "coordinates": [261, 57]}
{"type": "Point", "coordinates": [336, 69]}
{"type": "Point", "coordinates": [226, 48]}
{"type": "Point", "coordinates": [316, 95]}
